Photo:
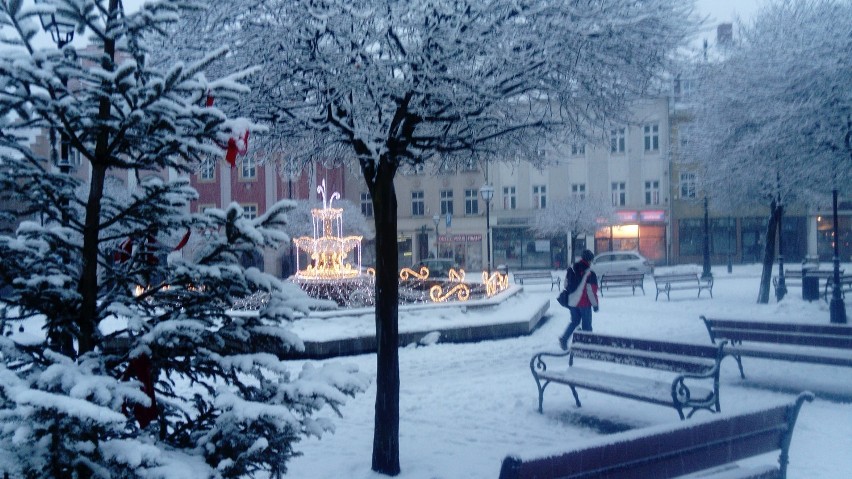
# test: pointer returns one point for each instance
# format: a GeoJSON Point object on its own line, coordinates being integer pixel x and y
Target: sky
{"type": "Point", "coordinates": [717, 11]}
{"type": "Point", "coordinates": [464, 407]}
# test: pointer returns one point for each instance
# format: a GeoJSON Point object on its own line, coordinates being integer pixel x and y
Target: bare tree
{"type": "Point", "coordinates": [574, 216]}
{"type": "Point", "coordinates": [774, 113]}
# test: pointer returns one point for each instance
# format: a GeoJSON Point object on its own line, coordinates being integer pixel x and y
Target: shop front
{"type": "Point", "coordinates": [464, 249]}
{"type": "Point", "coordinates": [518, 247]}
{"type": "Point", "coordinates": [643, 231]}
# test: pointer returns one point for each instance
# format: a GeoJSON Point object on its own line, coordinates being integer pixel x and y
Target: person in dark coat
{"type": "Point", "coordinates": [582, 285]}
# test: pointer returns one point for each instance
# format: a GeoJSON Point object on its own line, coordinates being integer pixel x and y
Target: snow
{"type": "Point", "coordinates": [464, 407]}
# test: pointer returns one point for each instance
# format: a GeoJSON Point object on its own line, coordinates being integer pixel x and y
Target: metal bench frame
{"type": "Point", "coordinates": [521, 276]}
{"type": "Point", "coordinates": [633, 279]}
{"type": "Point", "coordinates": [693, 362]}
{"type": "Point", "coordinates": [666, 283]}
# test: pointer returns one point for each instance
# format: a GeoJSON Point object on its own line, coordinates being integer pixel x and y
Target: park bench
{"type": "Point", "coordinates": [793, 277]}
{"type": "Point", "coordinates": [628, 279]}
{"type": "Point", "coordinates": [666, 283]}
{"type": "Point", "coordinates": [845, 286]}
{"type": "Point", "coordinates": [819, 344]}
{"type": "Point", "coordinates": [694, 363]}
{"type": "Point", "coordinates": [706, 447]}
{"type": "Point", "coordinates": [537, 276]}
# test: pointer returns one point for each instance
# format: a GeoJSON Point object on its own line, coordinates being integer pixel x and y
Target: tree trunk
{"type": "Point", "coordinates": [768, 254]}
{"type": "Point", "coordinates": [386, 425]}
{"type": "Point", "coordinates": [88, 286]}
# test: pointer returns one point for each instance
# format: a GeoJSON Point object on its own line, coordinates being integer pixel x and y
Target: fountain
{"type": "Point", "coordinates": [331, 274]}
{"type": "Point", "coordinates": [328, 253]}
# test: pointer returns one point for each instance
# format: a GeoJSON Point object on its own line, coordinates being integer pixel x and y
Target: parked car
{"type": "Point", "coordinates": [438, 268]}
{"type": "Point", "coordinates": [621, 262]}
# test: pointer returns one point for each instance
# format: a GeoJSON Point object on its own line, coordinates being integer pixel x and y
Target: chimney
{"type": "Point", "coordinates": [725, 34]}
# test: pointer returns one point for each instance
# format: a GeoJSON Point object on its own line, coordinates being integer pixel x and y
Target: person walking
{"type": "Point", "coordinates": [582, 286]}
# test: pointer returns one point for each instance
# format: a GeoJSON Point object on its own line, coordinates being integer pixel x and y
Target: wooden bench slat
{"type": "Point", "coordinates": [833, 329]}
{"type": "Point", "coordinates": [631, 387]}
{"type": "Point", "coordinates": [801, 339]}
{"type": "Point", "coordinates": [826, 357]}
{"type": "Point", "coordinates": [657, 360]}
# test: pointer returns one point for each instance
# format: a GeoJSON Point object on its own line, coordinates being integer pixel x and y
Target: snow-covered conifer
{"type": "Point", "coordinates": [120, 357]}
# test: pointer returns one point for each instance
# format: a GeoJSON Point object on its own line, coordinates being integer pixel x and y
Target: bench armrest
{"type": "Point", "coordinates": [537, 362]}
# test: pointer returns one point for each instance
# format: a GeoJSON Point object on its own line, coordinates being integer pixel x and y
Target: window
{"type": "Point", "coordinates": [248, 170]}
{"type": "Point", "coordinates": [652, 192]}
{"type": "Point", "coordinates": [539, 197]}
{"type": "Point", "coordinates": [578, 190]}
{"type": "Point", "coordinates": [616, 140]}
{"type": "Point", "coordinates": [471, 202]}
{"type": "Point", "coordinates": [687, 185]}
{"type": "Point", "coordinates": [366, 205]}
{"type": "Point", "coordinates": [250, 211]}
{"type": "Point", "coordinates": [619, 193]}
{"type": "Point", "coordinates": [446, 202]}
{"type": "Point", "coordinates": [417, 204]}
{"type": "Point", "coordinates": [509, 200]}
{"type": "Point", "coordinates": [690, 236]}
{"type": "Point", "coordinates": [652, 137]}
{"type": "Point", "coordinates": [207, 172]}
{"type": "Point", "coordinates": [578, 149]}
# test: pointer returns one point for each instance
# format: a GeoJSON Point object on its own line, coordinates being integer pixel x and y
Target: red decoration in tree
{"type": "Point", "coordinates": [234, 149]}
{"type": "Point", "coordinates": [140, 368]}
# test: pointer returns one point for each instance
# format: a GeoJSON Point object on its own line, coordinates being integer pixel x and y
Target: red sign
{"type": "Point", "coordinates": [653, 215]}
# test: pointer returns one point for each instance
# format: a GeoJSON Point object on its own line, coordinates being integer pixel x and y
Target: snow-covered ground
{"type": "Point", "coordinates": [465, 407]}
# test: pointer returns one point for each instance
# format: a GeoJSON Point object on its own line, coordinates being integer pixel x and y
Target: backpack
{"type": "Point", "coordinates": [572, 280]}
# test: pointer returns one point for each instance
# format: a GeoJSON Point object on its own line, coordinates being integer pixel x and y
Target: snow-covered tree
{"type": "Point", "coordinates": [574, 216]}
{"type": "Point", "coordinates": [775, 116]}
{"type": "Point", "coordinates": [116, 361]}
{"type": "Point", "coordinates": [390, 85]}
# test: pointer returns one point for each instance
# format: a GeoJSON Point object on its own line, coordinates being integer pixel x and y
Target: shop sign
{"type": "Point", "coordinates": [627, 216]}
{"type": "Point", "coordinates": [471, 238]}
{"type": "Point", "coordinates": [653, 215]}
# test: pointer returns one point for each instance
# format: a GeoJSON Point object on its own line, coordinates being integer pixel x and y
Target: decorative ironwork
{"type": "Point", "coordinates": [461, 290]}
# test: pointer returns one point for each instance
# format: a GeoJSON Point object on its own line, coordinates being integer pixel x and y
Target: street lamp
{"type": "Point", "coordinates": [837, 310]}
{"type": "Point", "coordinates": [705, 273]}
{"type": "Point", "coordinates": [487, 193]}
{"type": "Point", "coordinates": [62, 32]}
{"type": "Point", "coordinates": [436, 219]}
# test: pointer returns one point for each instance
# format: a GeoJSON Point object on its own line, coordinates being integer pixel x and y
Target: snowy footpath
{"type": "Point", "coordinates": [464, 407]}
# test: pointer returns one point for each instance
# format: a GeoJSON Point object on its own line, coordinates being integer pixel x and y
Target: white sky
{"type": "Point", "coordinates": [718, 11]}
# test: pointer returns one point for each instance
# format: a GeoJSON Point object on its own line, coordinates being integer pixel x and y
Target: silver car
{"type": "Point", "coordinates": [621, 262]}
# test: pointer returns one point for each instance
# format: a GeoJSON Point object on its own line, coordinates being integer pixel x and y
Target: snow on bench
{"type": "Point", "coordinates": [630, 279]}
{"type": "Point", "coordinates": [537, 276]}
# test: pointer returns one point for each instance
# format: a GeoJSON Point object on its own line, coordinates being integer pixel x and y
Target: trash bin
{"type": "Point", "coordinates": [810, 288]}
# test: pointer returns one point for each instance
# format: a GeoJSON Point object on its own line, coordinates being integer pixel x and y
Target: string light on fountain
{"type": "Point", "coordinates": [328, 249]}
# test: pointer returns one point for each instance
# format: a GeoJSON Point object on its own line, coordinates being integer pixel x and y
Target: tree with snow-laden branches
{"type": "Point", "coordinates": [775, 117]}
{"type": "Point", "coordinates": [574, 216]}
{"type": "Point", "coordinates": [392, 85]}
{"type": "Point", "coordinates": [119, 356]}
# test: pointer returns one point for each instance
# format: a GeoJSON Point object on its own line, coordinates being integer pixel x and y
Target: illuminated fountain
{"type": "Point", "coordinates": [331, 274]}
{"type": "Point", "coordinates": [328, 250]}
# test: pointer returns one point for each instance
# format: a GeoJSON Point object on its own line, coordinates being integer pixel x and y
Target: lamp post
{"type": "Point", "coordinates": [837, 309]}
{"type": "Point", "coordinates": [487, 193]}
{"type": "Point", "coordinates": [436, 219]}
{"type": "Point", "coordinates": [62, 33]}
{"type": "Point", "coordinates": [705, 272]}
